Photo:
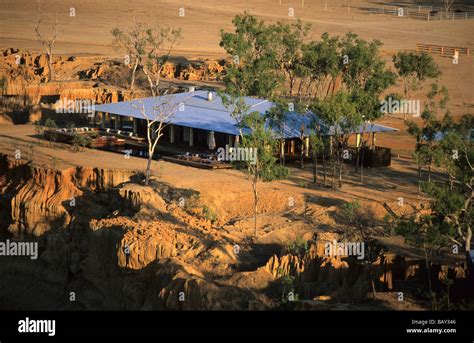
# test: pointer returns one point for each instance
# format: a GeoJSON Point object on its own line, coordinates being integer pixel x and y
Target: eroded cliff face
{"type": "Point", "coordinates": [44, 199]}
{"type": "Point", "coordinates": [109, 243]}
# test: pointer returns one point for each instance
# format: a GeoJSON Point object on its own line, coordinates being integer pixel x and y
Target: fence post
{"type": "Point", "coordinates": [428, 16]}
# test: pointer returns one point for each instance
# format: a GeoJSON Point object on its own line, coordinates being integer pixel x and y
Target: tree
{"type": "Point", "coordinates": [132, 40]}
{"type": "Point", "coordinates": [418, 231]}
{"type": "Point", "coordinates": [363, 220]}
{"type": "Point", "coordinates": [340, 115]}
{"type": "Point", "coordinates": [319, 67]}
{"type": "Point", "coordinates": [289, 43]}
{"type": "Point", "coordinates": [277, 116]}
{"type": "Point", "coordinates": [161, 42]}
{"type": "Point", "coordinates": [261, 139]}
{"type": "Point", "coordinates": [451, 215]}
{"type": "Point", "coordinates": [317, 146]}
{"type": "Point", "coordinates": [414, 68]}
{"type": "Point", "coordinates": [47, 42]}
{"type": "Point", "coordinates": [80, 141]}
{"type": "Point", "coordinates": [427, 135]}
{"type": "Point", "coordinates": [255, 134]}
{"type": "Point", "coordinates": [451, 203]}
{"type": "Point", "coordinates": [361, 65]}
{"type": "Point", "coordinates": [253, 67]}
{"type": "Point", "coordinates": [51, 126]}
{"type": "Point", "coordinates": [368, 108]}
{"type": "Point", "coordinates": [157, 118]}
{"type": "Point", "coordinates": [38, 129]}
{"type": "Point", "coordinates": [147, 48]}
{"type": "Point", "coordinates": [448, 4]}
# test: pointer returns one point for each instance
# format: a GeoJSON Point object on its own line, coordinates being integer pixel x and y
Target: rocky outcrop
{"type": "Point", "coordinates": [124, 245]}
{"type": "Point", "coordinates": [182, 287]}
{"type": "Point", "coordinates": [208, 70]}
{"type": "Point", "coordinates": [42, 199]}
{"type": "Point", "coordinates": [320, 274]}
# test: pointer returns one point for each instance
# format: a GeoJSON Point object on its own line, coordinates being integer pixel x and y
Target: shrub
{"type": "Point", "coordinates": [297, 247]}
{"type": "Point", "coordinates": [209, 214]}
{"type": "Point", "coordinates": [80, 141]}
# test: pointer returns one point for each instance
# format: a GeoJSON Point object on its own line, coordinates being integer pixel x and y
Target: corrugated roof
{"type": "Point", "coordinates": [193, 109]}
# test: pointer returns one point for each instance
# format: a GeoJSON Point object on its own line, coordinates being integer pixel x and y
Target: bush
{"type": "Point", "coordinates": [351, 211]}
{"type": "Point", "coordinates": [297, 247]}
{"type": "Point", "coordinates": [50, 124]}
{"type": "Point", "coordinates": [275, 172]}
{"type": "Point", "coordinates": [80, 141]}
{"type": "Point", "coordinates": [209, 214]}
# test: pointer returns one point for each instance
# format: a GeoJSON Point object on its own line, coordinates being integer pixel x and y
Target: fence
{"type": "Point", "coordinates": [441, 49]}
{"type": "Point", "coordinates": [442, 15]}
{"type": "Point", "coordinates": [420, 14]}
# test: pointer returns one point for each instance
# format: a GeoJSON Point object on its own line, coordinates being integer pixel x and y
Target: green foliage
{"type": "Point", "coordinates": [274, 171]}
{"type": "Point", "coordinates": [298, 247]}
{"type": "Point", "coordinates": [254, 68]}
{"type": "Point", "coordinates": [209, 214]}
{"type": "Point", "coordinates": [414, 68]}
{"type": "Point", "coordinates": [351, 210]}
{"type": "Point", "coordinates": [320, 59]}
{"type": "Point", "coordinates": [365, 70]}
{"type": "Point", "coordinates": [422, 231]}
{"type": "Point", "coordinates": [261, 138]}
{"type": "Point", "coordinates": [289, 286]}
{"type": "Point", "coordinates": [451, 217]}
{"type": "Point", "coordinates": [428, 135]}
{"type": "Point", "coordinates": [316, 141]}
{"type": "Point", "coordinates": [265, 59]}
{"type": "Point", "coordinates": [338, 110]}
{"type": "Point", "coordinates": [50, 124]}
{"type": "Point", "coordinates": [80, 141]}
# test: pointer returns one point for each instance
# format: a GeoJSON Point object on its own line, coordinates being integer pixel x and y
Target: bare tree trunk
{"type": "Point", "coordinates": [325, 172]}
{"type": "Point", "coordinates": [468, 239]}
{"type": "Point", "coordinates": [50, 65]}
{"type": "Point", "coordinates": [357, 159]}
{"type": "Point", "coordinates": [427, 263]}
{"type": "Point", "coordinates": [315, 167]}
{"type": "Point", "coordinates": [134, 70]}
{"type": "Point", "coordinates": [419, 178]}
{"type": "Point", "coordinates": [341, 164]}
{"type": "Point", "coordinates": [282, 150]}
{"type": "Point", "coordinates": [148, 167]}
{"type": "Point", "coordinates": [362, 164]}
{"type": "Point", "coordinates": [302, 154]}
{"type": "Point", "coordinates": [255, 195]}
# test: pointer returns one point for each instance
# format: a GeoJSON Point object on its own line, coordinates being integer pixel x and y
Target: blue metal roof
{"type": "Point", "coordinates": [193, 109]}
